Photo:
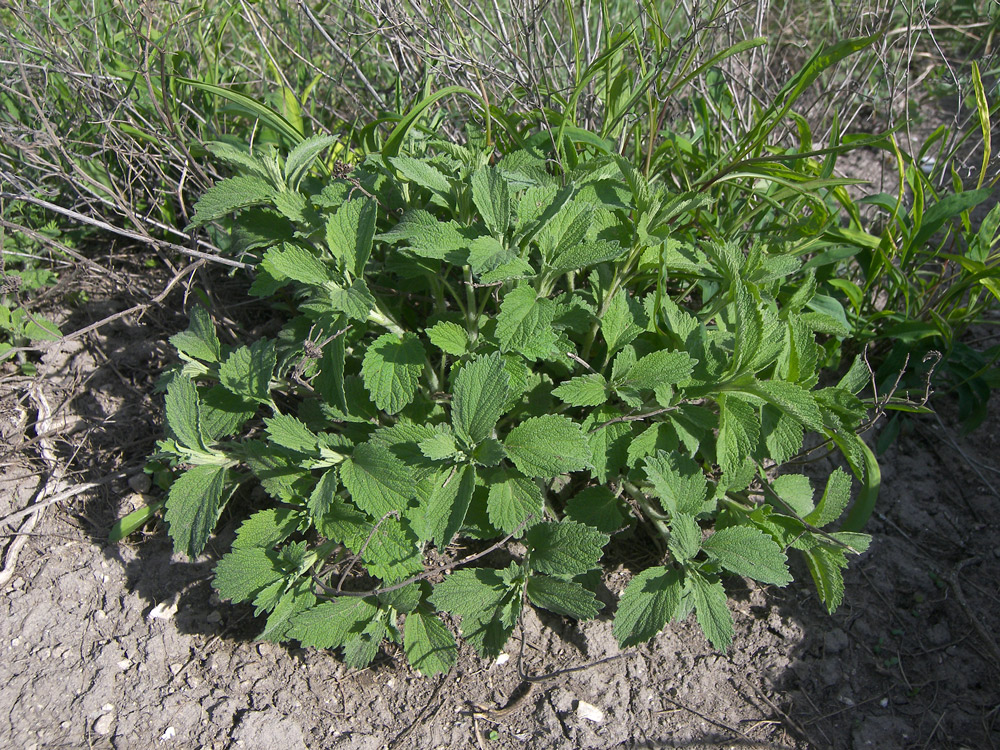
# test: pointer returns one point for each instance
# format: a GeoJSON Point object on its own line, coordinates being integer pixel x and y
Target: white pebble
{"type": "Point", "coordinates": [169, 734]}
{"type": "Point", "coordinates": [589, 712]}
{"type": "Point", "coordinates": [103, 724]}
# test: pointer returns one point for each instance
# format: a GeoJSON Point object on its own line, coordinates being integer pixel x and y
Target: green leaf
{"type": "Point", "coordinates": [563, 597]}
{"type": "Point", "coordinates": [334, 517]}
{"type": "Point", "coordinates": [378, 481]}
{"type": "Point", "coordinates": [748, 551]}
{"type": "Point", "coordinates": [199, 340]}
{"type": "Point", "coordinates": [354, 301]}
{"type": "Point", "coordinates": [685, 537]}
{"type": "Point", "coordinates": [393, 553]}
{"type": "Point", "coordinates": [835, 498]}
{"type": "Point", "coordinates": [488, 452]}
{"type": "Point", "coordinates": [583, 390]}
{"type": "Point", "coordinates": [450, 338]}
{"type": "Point", "coordinates": [480, 393]}
{"type": "Point", "coordinates": [564, 549]}
{"type": "Point", "coordinates": [439, 447]}
{"type": "Point", "coordinates": [739, 432]}
{"type": "Point", "coordinates": [579, 255]}
{"type": "Point", "coordinates": [796, 491]}
{"type": "Point", "coordinates": [448, 504]}
{"type": "Point", "coordinates": [392, 369]}
{"type": "Point", "coordinates": [597, 507]}
{"type": "Point", "coordinates": [429, 646]}
{"type": "Point", "coordinates": [427, 236]}
{"type": "Point", "coordinates": [288, 432]}
{"type": "Point", "coordinates": [266, 528]}
{"type": "Point", "coordinates": [331, 624]}
{"type": "Point", "coordinates": [783, 434]}
{"type": "Point", "coordinates": [247, 371]}
{"type": "Point", "coordinates": [360, 650]}
{"type": "Point", "coordinates": [512, 501]}
{"type": "Point", "coordinates": [524, 324]}
{"type": "Point", "coordinates": [491, 194]}
{"type": "Point", "coordinates": [193, 507]}
{"type": "Point", "coordinates": [608, 441]}
{"type": "Point", "coordinates": [297, 599]}
{"type": "Point", "coordinates": [488, 602]}
{"type": "Point", "coordinates": [303, 155]}
{"type": "Point", "coordinates": [658, 369]}
{"type": "Point", "coordinates": [824, 566]}
{"type": "Point", "coordinates": [422, 173]}
{"type": "Point", "coordinates": [243, 573]}
{"type": "Point", "coordinates": [183, 412]}
{"type": "Point", "coordinates": [548, 445]}
{"type": "Point", "coordinates": [651, 599]}
{"type": "Point", "coordinates": [350, 232]}
{"type": "Point", "coordinates": [623, 320]}
{"type": "Point", "coordinates": [678, 481]}
{"type": "Point", "coordinates": [297, 263]}
{"type": "Point", "coordinates": [487, 254]}
{"type": "Point", "coordinates": [712, 610]}
{"type": "Point", "coordinates": [229, 195]}
{"type": "Point", "coordinates": [792, 399]}
{"type": "Point", "coordinates": [275, 467]}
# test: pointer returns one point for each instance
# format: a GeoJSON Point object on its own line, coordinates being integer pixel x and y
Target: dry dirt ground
{"type": "Point", "coordinates": [125, 646]}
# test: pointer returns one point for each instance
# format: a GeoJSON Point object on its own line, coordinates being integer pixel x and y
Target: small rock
{"type": "Point", "coordinates": [215, 616]}
{"type": "Point", "coordinates": [140, 483]}
{"type": "Point", "coordinates": [164, 610]}
{"type": "Point", "coordinates": [104, 723]}
{"type": "Point", "coordinates": [169, 734]}
{"type": "Point", "coordinates": [590, 712]}
{"type": "Point", "coordinates": [124, 664]}
{"type": "Point", "coordinates": [176, 668]}
{"type": "Point", "coordinates": [502, 659]}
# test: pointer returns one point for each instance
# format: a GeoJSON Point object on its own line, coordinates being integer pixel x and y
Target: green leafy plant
{"type": "Point", "coordinates": [495, 356]}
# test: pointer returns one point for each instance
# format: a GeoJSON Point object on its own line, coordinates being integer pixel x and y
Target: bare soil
{"type": "Point", "coordinates": [126, 646]}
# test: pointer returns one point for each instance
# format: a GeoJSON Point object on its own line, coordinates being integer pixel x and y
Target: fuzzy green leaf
{"type": "Point", "coordinates": [597, 507]}
{"type": "Point", "coordinates": [243, 573]}
{"type": "Point", "coordinates": [334, 517]}
{"type": "Point", "coordinates": [350, 232]}
{"type": "Point", "coordinates": [548, 445]}
{"type": "Point", "coordinates": [824, 566]}
{"type": "Point", "coordinates": [296, 263]}
{"type": "Point", "coordinates": [438, 447]}
{"type": "Point", "coordinates": [491, 194]}
{"type": "Point", "coordinates": [488, 254]}
{"type": "Point", "coordinates": [288, 432]}
{"type": "Point", "coordinates": [712, 610]}
{"type": "Point", "coordinates": [748, 551]}
{"type": "Point", "coordinates": [835, 498]}
{"type": "Point", "coordinates": [355, 301]}
{"type": "Point", "coordinates": [247, 371]}
{"type": "Point", "coordinates": [298, 598]}
{"type": "Point", "coordinates": [792, 399]}
{"type": "Point", "coordinates": [193, 507]}
{"type": "Point", "coordinates": [332, 624]}
{"type": "Point", "coordinates": [658, 369]}
{"type": "Point", "coordinates": [449, 502]}
{"type": "Point", "coordinates": [427, 236]}
{"type": "Point", "coordinates": [608, 440]}
{"type": "Point", "coordinates": [563, 597]}
{"type": "Point", "coordinates": [183, 412]}
{"type": "Point", "coordinates": [392, 369]}
{"type": "Point", "coordinates": [739, 431]}
{"type": "Point", "coordinates": [480, 393]}
{"type": "Point", "coordinates": [651, 599]}
{"type": "Point", "coordinates": [450, 338]}
{"type": "Point", "coordinates": [564, 549]}
{"type": "Point", "coordinates": [685, 537]}
{"type": "Point", "coordinates": [199, 340]}
{"type": "Point", "coordinates": [266, 528]}
{"type": "Point", "coordinates": [488, 602]}
{"type": "Point", "coordinates": [227, 196]}
{"type": "Point", "coordinates": [796, 491]}
{"type": "Point", "coordinates": [393, 552]}
{"type": "Point", "coordinates": [512, 501]}
{"type": "Point", "coordinates": [524, 324]}
{"type": "Point", "coordinates": [301, 158]}
{"type": "Point", "coordinates": [783, 434]}
{"type": "Point", "coordinates": [579, 255]}
{"type": "Point", "coordinates": [429, 645]}
{"type": "Point", "coordinates": [584, 390]}
{"type": "Point", "coordinates": [378, 481]}
{"type": "Point", "coordinates": [622, 322]}
{"type": "Point", "coordinates": [678, 481]}
{"type": "Point", "coordinates": [422, 173]}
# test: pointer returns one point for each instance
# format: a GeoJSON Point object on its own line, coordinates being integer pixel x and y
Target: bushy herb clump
{"type": "Point", "coordinates": [502, 355]}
